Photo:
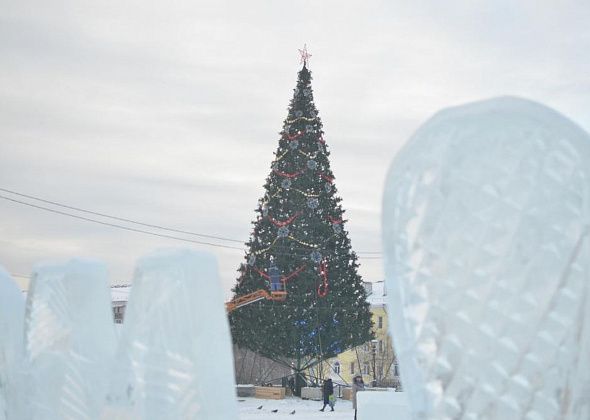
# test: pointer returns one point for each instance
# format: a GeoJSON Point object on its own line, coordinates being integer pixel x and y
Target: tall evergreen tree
{"type": "Point", "coordinates": [299, 239]}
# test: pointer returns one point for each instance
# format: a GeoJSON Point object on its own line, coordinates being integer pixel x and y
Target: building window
{"type": "Point", "coordinates": [367, 347]}
{"type": "Point", "coordinates": [380, 346]}
{"type": "Point", "coordinates": [366, 370]}
{"type": "Point", "coordinates": [118, 314]}
{"type": "Point", "coordinates": [396, 370]}
{"type": "Point", "coordinates": [337, 367]}
{"type": "Point", "coordinates": [380, 322]}
{"type": "Point", "coordinates": [352, 368]}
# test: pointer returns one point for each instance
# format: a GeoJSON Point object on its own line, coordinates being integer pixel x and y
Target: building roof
{"type": "Point", "coordinates": [375, 292]}
{"type": "Point", "coordinates": [120, 293]}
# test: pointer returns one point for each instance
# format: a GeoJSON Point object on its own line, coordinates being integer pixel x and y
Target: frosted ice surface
{"type": "Point", "coordinates": [485, 226]}
{"type": "Point", "coordinates": [12, 309]}
{"type": "Point", "coordinates": [373, 405]}
{"type": "Point", "coordinates": [175, 360]}
{"type": "Point", "coordinates": [69, 339]}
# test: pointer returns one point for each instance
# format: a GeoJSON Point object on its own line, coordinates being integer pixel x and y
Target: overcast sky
{"type": "Point", "coordinates": [168, 112]}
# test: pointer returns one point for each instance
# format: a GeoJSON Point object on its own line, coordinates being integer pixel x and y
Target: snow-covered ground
{"type": "Point", "coordinates": [304, 409]}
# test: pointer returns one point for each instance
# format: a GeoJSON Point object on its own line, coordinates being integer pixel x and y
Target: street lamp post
{"type": "Point", "coordinates": [374, 351]}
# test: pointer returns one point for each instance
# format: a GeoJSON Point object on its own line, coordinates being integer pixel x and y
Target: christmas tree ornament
{"type": "Point", "coordinates": [312, 164]}
{"type": "Point", "coordinates": [286, 184]}
{"type": "Point", "coordinates": [309, 128]}
{"type": "Point", "coordinates": [313, 203]}
{"type": "Point", "coordinates": [283, 232]}
{"type": "Point", "coordinates": [316, 256]}
{"type": "Point", "coordinates": [294, 144]}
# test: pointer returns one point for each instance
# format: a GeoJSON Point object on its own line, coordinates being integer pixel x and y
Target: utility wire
{"type": "Point", "coordinates": [121, 219]}
{"type": "Point", "coordinates": [291, 250]}
{"type": "Point", "coordinates": [119, 226]}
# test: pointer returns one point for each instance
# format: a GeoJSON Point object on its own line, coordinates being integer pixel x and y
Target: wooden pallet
{"type": "Point", "coordinates": [270, 392]}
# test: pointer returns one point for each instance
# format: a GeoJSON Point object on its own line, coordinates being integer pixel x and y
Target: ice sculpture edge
{"type": "Point", "coordinates": [12, 309]}
{"type": "Point", "coordinates": [476, 188]}
{"type": "Point", "coordinates": [175, 347]}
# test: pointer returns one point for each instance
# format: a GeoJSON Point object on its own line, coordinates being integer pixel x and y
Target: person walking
{"type": "Point", "coordinates": [328, 394]}
{"type": "Point", "coordinates": [357, 385]}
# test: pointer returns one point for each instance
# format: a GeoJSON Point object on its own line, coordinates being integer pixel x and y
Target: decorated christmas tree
{"type": "Point", "coordinates": [299, 298]}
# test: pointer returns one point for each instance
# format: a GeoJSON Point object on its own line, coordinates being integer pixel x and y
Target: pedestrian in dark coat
{"type": "Point", "coordinates": [328, 394]}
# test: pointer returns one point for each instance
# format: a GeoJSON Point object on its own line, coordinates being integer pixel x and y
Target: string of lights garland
{"type": "Point", "coordinates": [275, 246]}
{"type": "Point", "coordinates": [265, 249]}
{"type": "Point", "coordinates": [277, 193]}
{"type": "Point", "coordinates": [307, 195]}
{"type": "Point", "coordinates": [294, 120]}
{"type": "Point", "coordinates": [302, 242]}
{"type": "Point", "coordinates": [285, 251]}
{"type": "Point", "coordinates": [278, 159]}
{"type": "Point", "coordinates": [307, 155]}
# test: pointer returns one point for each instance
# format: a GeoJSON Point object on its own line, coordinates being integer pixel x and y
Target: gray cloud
{"type": "Point", "coordinates": [169, 113]}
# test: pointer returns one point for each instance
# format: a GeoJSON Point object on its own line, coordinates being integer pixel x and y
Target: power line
{"type": "Point", "coordinates": [122, 219]}
{"type": "Point", "coordinates": [118, 226]}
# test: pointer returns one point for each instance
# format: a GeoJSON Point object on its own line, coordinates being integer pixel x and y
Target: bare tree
{"type": "Point", "coordinates": [377, 360]}
{"type": "Point", "coordinates": [251, 368]}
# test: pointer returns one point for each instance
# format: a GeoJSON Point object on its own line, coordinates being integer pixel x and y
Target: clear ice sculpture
{"type": "Point", "coordinates": [70, 340]}
{"type": "Point", "coordinates": [175, 359]}
{"type": "Point", "coordinates": [486, 216]}
{"type": "Point", "coordinates": [12, 310]}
